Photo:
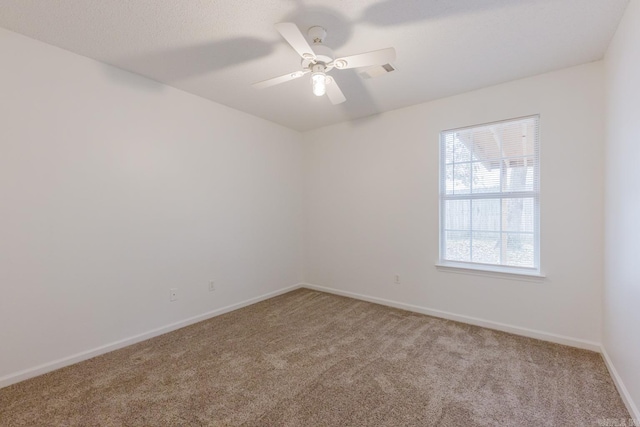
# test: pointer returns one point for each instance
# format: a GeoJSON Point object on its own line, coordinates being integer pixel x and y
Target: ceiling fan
{"type": "Point", "coordinates": [320, 59]}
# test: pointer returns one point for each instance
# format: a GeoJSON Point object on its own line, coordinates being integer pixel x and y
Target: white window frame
{"type": "Point", "coordinates": [476, 267]}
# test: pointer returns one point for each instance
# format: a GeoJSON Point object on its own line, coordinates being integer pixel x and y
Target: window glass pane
{"type": "Point", "coordinates": [448, 148]}
{"type": "Point", "coordinates": [519, 249]}
{"type": "Point", "coordinates": [462, 147]}
{"type": "Point", "coordinates": [462, 178]}
{"type": "Point", "coordinates": [458, 245]}
{"type": "Point", "coordinates": [486, 146]}
{"type": "Point", "coordinates": [485, 178]}
{"type": "Point", "coordinates": [486, 247]}
{"type": "Point", "coordinates": [449, 179]}
{"type": "Point", "coordinates": [517, 138]}
{"type": "Point", "coordinates": [457, 214]}
{"type": "Point", "coordinates": [518, 214]}
{"type": "Point", "coordinates": [519, 174]}
{"type": "Point", "coordinates": [485, 214]}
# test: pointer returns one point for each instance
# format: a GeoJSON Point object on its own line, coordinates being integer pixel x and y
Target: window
{"type": "Point", "coordinates": [490, 197]}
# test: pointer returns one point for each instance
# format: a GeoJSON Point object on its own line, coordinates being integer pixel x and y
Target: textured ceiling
{"type": "Point", "coordinates": [216, 49]}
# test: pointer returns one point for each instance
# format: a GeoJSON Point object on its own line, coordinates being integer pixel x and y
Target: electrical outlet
{"type": "Point", "coordinates": [173, 294]}
{"type": "Point", "coordinates": [212, 286]}
{"type": "Point", "coordinates": [396, 279]}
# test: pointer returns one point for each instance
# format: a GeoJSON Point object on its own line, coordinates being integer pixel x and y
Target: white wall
{"type": "Point", "coordinates": [113, 189]}
{"type": "Point", "coordinates": [372, 206]}
{"type": "Point", "coordinates": [622, 225]}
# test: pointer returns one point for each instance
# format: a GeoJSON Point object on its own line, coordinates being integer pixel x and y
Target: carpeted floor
{"type": "Point", "coordinates": [308, 358]}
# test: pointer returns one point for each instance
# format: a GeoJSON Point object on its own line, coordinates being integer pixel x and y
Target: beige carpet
{"type": "Point", "coordinates": [308, 358]}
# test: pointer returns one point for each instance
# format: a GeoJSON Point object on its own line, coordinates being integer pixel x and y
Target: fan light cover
{"type": "Point", "coordinates": [319, 80]}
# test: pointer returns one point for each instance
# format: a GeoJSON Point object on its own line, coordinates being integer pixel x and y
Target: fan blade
{"type": "Point", "coordinates": [334, 93]}
{"type": "Point", "coordinates": [291, 33]}
{"type": "Point", "coordinates": [377, 57]}
{"type": "Point", "coordinates": [280, 79]}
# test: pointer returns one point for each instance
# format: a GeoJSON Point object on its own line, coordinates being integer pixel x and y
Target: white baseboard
{"type": "Point", "coordinates": [79, 357]}
{"type": "Point", "coordinates": [531, 333]}
{"type": "Point", "coordinates": [624, 393]}
{"type": "Point", "coordinates": [66, 361]}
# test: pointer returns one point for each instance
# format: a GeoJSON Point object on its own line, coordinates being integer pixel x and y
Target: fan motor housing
{"type": "Point", "coordinates": [324, 55]}
{"type": "Point", "coordinates": [317, 34]}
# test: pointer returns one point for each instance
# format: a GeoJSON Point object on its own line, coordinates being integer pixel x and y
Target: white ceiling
{"type": "Point", "coordinates": [216, 49]}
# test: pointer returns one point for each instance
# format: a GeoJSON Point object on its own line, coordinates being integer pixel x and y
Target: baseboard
{"type": "Point", "coordinates": [624, 393]}
{"type": "Point", "coordinates": [79, 357]}
{"type": "Point", "coordinates": [531, 333]}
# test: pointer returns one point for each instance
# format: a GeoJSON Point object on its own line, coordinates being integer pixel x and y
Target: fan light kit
{"type": "Point", "coordinates": [320, 60]}
{"type": "Point", "coordinates": [319, 80]}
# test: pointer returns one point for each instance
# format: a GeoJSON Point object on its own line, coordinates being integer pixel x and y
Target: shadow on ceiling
{"type": "Point", "coordinates": [179, 63]}
{"type": "Point", "coordinates": [354, 89]}
{"type": "Point", "coordinates": [191, 61]}
{"type": "Point", "coordinates": [400, 12]}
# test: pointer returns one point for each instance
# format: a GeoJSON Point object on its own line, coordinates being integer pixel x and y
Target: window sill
{"type": "Point", "coordinates": [490, 271]}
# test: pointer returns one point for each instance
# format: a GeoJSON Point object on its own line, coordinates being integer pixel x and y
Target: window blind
{"type": "Point", "coordinates": [490, 195]}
